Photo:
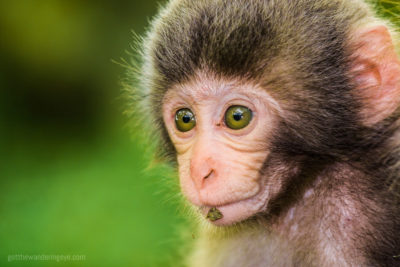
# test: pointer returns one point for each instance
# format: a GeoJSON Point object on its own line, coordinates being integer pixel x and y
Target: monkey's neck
{"type": "Point", "coordinates": [328, 216]}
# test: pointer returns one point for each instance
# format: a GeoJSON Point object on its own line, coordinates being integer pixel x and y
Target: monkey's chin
{"type": "Point", "coordinates": [232, 213]}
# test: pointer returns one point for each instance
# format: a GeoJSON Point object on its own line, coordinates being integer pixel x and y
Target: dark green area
{"type": "Point", "coordinates": [72, 180]}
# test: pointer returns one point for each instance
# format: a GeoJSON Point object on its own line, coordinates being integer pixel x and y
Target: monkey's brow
{"type": "Point", "coordinates": [221, 88]}
{"type": "Point", "coordinates": [204, 91]}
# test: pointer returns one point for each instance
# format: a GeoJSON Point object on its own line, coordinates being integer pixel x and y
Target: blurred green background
{"type": "Point", "coordinates": [71, 177]}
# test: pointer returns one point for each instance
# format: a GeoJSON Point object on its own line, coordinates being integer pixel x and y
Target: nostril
{"type": "Point", "coordinates": [209, 174]}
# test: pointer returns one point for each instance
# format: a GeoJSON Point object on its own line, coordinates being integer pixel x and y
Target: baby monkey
{"type": "Point", "coordinates": [283, 119]}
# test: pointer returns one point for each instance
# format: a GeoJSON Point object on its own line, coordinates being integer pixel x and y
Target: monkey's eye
{"type": "Point", "coordinates": [185, 120]}
{"type": "Point", "coordinates": [238, 117]}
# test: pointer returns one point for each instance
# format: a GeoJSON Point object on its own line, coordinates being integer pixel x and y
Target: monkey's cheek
{"type": "Point", "coordinates": [190, 193]}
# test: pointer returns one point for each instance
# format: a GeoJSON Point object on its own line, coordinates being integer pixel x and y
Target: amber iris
{"type": "Point", "coordinates": [238, 117]}
{"type": "Point", "coordinates": [185, 120]}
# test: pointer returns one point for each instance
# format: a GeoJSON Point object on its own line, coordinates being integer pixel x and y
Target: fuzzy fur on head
{"type": "Point", "coordinates": [278, 44]}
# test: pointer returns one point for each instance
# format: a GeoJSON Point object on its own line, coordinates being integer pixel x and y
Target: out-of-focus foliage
{"type": "Point", "coordinates": [71, 178]}
{"type": "Point", "coordinates": [390, 9]}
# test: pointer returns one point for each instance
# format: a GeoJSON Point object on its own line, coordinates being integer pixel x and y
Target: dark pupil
{"type": "Point", "coordinates": [186, 118]}
{"type": "Point", "coordinates": [237, 116]}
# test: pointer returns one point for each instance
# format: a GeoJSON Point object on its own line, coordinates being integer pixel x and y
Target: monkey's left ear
{"type": "Point", "coordinates": [377, 73]}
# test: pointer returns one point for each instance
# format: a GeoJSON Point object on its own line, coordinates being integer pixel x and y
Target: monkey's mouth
{"type": "Point", "coordinates": [233, 212]}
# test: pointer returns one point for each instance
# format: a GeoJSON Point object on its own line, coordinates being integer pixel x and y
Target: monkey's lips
{"type": "Point", "coordinates": [235, 212]}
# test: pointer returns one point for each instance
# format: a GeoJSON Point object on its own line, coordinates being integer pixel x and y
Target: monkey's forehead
{"type": "Point", "coordinates": [203, 88]}
{"type": "Point", "coordinates": [204, 85]}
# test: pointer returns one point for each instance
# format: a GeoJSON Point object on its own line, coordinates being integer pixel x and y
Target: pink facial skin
{"type": "Point", "coordinates": [218, 166]}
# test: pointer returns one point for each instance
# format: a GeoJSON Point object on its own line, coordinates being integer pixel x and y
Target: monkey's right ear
{"type": "Point", "coordinates": [377, 73]}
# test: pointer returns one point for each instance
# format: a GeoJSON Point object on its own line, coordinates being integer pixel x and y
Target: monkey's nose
{"type": "Point", "coordinates": [202, 178]}
{"type": "Point", "coordinates": [209, 174]}
{"type": "Point", "coordinates": [205, 179]}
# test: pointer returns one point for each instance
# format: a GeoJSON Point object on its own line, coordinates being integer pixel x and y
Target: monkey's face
{"type": "Point", "coordinates": [220, 130]}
